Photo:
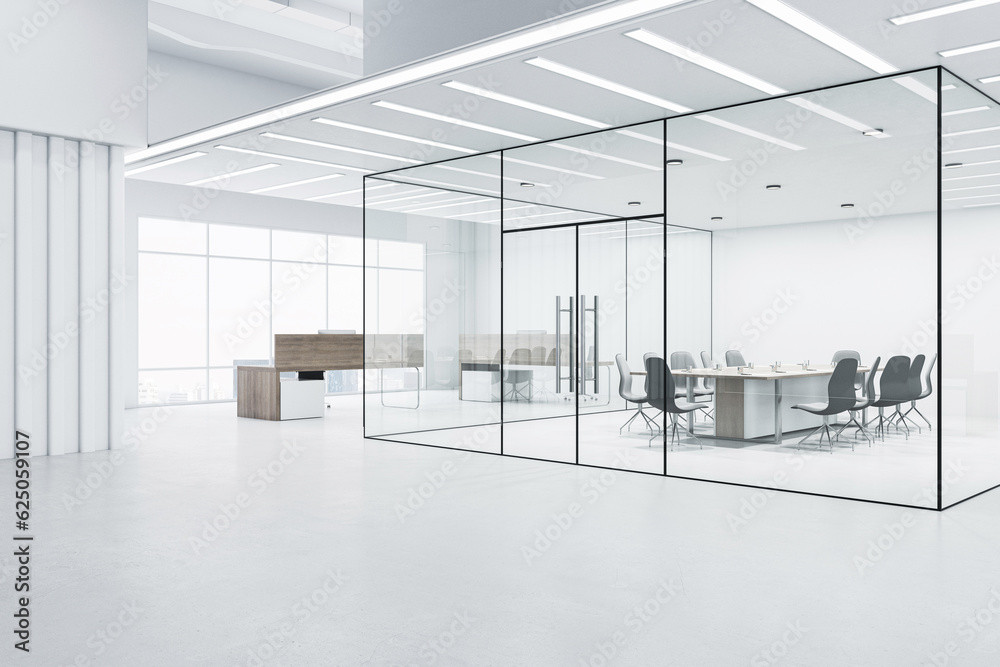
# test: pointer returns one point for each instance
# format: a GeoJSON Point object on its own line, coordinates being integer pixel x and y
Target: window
{"type": "Point", "coordinates": [212, 296]}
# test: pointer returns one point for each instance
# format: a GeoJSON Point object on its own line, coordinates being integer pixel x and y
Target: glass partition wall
{"type": "Point", "coordinates": [789, 294]}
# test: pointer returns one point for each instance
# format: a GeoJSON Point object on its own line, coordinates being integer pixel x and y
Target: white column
{"type": "Point", "coordinates": [7, 362]}
{"type": "Point", "coordinates": [59, 338]}
{"type": "Point", "coordinates": [88, 324]}
{"type": "Point", "coordinates": [101, 299]}
{"type": "Point", "coordinates": [71, 305]}
{"type": "Point", "coordinates": [39, 286]}
{"type": "Point", "coordinates": [116, 318]}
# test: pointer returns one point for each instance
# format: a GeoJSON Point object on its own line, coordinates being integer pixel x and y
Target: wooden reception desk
{"type": "Point", "coordinates": [258, 388]}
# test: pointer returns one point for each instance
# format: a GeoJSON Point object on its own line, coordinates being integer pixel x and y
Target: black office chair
{"type": "Point", "coordinates": [859, 379]}
{"type": "Point", "coordinates": [660, 390]}
{"type": "Point", "coordinates": [868, 397]}
{"type": "Point", "coordinates": [928, 389]}
{"type": "Point", "coordinates": [893, 389]}
{"type": "Point", "coordinates": [683, 360]}
{"type": "Point", "coordinates": [520, 357]}
{"type": "Point", "coordinates": [914, 387]}
{"type": "Point", "coordinates": [626, 392]}
{"type": "Point", "coordinates": [735, 358]}
{"type": "Point", "coordinates": [840, 398]}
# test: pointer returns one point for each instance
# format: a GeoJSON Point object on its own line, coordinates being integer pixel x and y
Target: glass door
{"type": "Point", "coordinates": [538, 375]}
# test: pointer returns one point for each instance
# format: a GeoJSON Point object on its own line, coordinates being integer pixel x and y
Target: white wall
{"type": "Point", "coordinates": [61, 246]}
{"type": "Point", "coordinates": [75, 69]}
{"type": "Point", "coordinates": [181, 202]}
{"type": "Point", "coordinates": [794, 292]}
{"type": "Point", "coordinates": [194, 95]}
{"type": "Point", "coordinates": [398, 32]}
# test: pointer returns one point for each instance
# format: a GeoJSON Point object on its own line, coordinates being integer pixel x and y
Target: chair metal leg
{"type": "Point", "coordinates": [917, 410]}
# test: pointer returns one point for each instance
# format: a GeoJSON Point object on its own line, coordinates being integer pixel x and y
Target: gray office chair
{"type": "Point", "coordinates": [868, 397]}
{"type": "Point", "coordinates": [927, 390]}
{"type": "Point", "coordinates": [859, 379]}
{"type": "Point", "coordinates": [735, 358]}
{"type": "Point", "coordinates": [682, 360]}
{"type": "Point", "coordinates": [630, 396]}
{"type": "Point", "coordinates": [840, 398]}
{"type": "Point", "coordinates": [646, 357]}
{"type": "Point", "coordinates": [893, 390]}
{"type": "Point", "coordinates": [660, 390]}
{"type": "Point", "coordinates": [521, 356]}
{"type": "Point", "coordinates": [914, 387]}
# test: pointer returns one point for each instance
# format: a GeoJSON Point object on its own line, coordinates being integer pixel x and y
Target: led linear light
{"type": "Point", "coordinates": [164, 163]}
{"type": "Point", "coordinates": [462, 201]}
{"type": "Point", "coordinates": [350, 192]}
{"type": "Point", "coordinates": [834, 116]}
{"type": "Point", "coordinates": [450, 185]}
{"type": "Point", "coordinates": [507, 158]}
{"type": "Point", "coordinates": [489, 175]}
{"type": "Point", "coordinates": [347, 149]}
{"type": "Point", "coordinates": [413, 111]}
{"type": "Point", "coordinates": [979, 205]}
{"type": "Point", "coordinates": [232, 174]}
{"type": "Point", "coordinates": [599, 82]}
{"type": "Point", "coordinates": [976, 131]}
{"type": "Point", "coordinates": [917, 87]}
{"type": "Point", "coordinates": [393, 198]}
{"type": "Point", "coordinates": [820, 32]}
{"type": "Point", "coordinates": [972, 197]}
{"type": "Point", "coordinates": [965, 178]}
{"type": "Point", "coordinates": [489, 211]}
{"type": "Point", "coordinates": [547, 32]}
{"type": "Point", "coordinates": [958, 112]}
{"type": "Point", "coordinates": [990, 79]}
{"type": "Point", "coordinates": [976, 148]}
{"type": "Point", "coordinates": [941, 11]}
{"type": "Point", "coordinates": [250, 151]}
{"type": "Point", "coordinates": [969, 49]}
{"type": "Point", "coordinates": [750, 133]}
{"type": "Point", "coordinates": [670, 144]}
{"type": "Point", "coordinates": [692, 56]}
{"type": "Point", "coordinates": [294, 183]}
{"type": "Point", "coordinates": [393, 135]}
{"type": "Point", "coordinates": [951, 86]}
{"type": "Point", "coordinates": [604, 156]}
{"type": "Point", "coordinates": [972, 187]}
{"type": "Point", "coordinates": [524, 104]}
{"type": "Point", "coordinates": [976, 164]}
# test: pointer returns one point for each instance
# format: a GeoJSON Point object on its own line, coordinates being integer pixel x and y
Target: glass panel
{"type": "Point", "coordinates": [233, 241]}
{"type": "Point", "coordinates": [345, 250]}
{"type": "Point", "coordinates": [621, 263]}
{"type": "Point", "coordinates": [298, 246]}
{"type": "Point", "coordinates": [221, 384]}
{"type": "Point", "coordinates": [616, 173]}
{"type": "Point", "coordinates": [172, 236]}
{"type": "Point", "coordinates": [239, 300]}
{"type": "Point", "coordinates": [184, 386]}
{"type": "Point", "coordinates": [541, 311]}
{"type": "Point", "coordinates": [172, 311]}
{"type": "Point", "coordinates": [346, 298]}
{"type": "Point", "coordinates": [432, 307]}
{"type": "Point", "coordinates": [823, 241]}
{"type": "Point", "coordinates": [299, 292]}
{"type": "Point", "coordinates": [970, 233]}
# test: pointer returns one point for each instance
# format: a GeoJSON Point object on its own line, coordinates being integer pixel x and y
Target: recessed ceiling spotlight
{"type": "Point", "coordinates": [772, 187]}
{"type": "Point", "coordinates": [635, 203]}
{"type": "Point", "coordinates": [673, 162]}
{"type": "Point", "coordinates": [953, 165]}
{"type": "Point", "coordinates": [525, 184]}
{"type": "Point", "coordinates": [716, 218]}
{"type": "Point", "coordinates": [874, 132]}
{"type": "Point", "coordinates": [847, 206]}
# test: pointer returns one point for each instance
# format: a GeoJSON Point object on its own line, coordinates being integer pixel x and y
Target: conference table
{"type": "Point", "coordinates": [740, 395]}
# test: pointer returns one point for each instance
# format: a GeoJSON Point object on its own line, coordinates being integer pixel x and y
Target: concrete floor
{"type": "Point", "coordinates": [327, 549]}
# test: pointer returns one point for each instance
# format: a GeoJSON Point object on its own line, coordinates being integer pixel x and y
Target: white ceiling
{"type": "Point", "coordinates": [733, 32]}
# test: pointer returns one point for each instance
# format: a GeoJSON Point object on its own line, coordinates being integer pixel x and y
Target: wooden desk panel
{"type": "Point", "coordinates": [319, 352]}
{"type": "Point", "coordinates": [258, 394]}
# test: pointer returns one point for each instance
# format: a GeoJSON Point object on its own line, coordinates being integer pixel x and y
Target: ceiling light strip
{"type": "Point", "coordinates": [488, 212]}
{"type": "Point", "coordinates": [605, 156]}
{"type": "Point", "coordinates": [355, 191]}
{"type": "Point", "coordinates": [550, 167]}
{"type": "Point", "coordinates": [976, 148]}
{"type": "Point", "coordinates": [394, 135]}
{"type": "Point", "coordinates": [990, 79]}
{"type": "Point", "coordinates": [822, 33]}
{"type": "Point", "coordinates": [980, 205]}
{"type": "Point", "coordinates": [809, 105]}
{"type": "Point", "coordinates": [165, 163]}
{"type": "Point", "coordinates": [941, 11]}
{"type": "Point", "coordinates": [965, 178]}
{"type": "Point", "coordinates": [692, 56]}
{"type": "Point", "coordinates": [976, 131]}
{"type": "Point", "coordinates": [972, 197]}
{"type": "Point", "coordinates": [336, 147]}
{"type": "Point", "coordinates": [487, 174]}
{"type": "Point", "coordinates": [975, 48]}
{"type": "Point", "coordinates": [462, 201]}
{"type": "Point", "coordinates": [290, 158]}
{"type": "Point", "coordinates": [750, 133]}
{"type": "Point", "coordinates": [233, 174]}
{"type": "Point", "coordinates": [972, 187]}
{"type": "Point", "coordinates": [546, 32]}
{"type": "Point", "coordinates": [919, 88]}
{"type": "Point", "coordinates": [524, 104]}
{"type": "Point", "coordinates": [271, 188]}
{"type": "Point", "coordinates": [670, 144]}
{"type": "Point", "coordinates": [413, 111]}
{"type": "Point", "coordinates": [599, 82]}
{"type": "Point", "coordinates": [959, 112]}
